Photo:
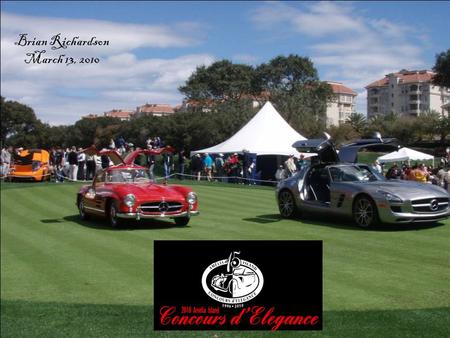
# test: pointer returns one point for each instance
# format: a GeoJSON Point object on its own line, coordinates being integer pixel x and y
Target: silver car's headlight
{"type": "Point", "coordinates": [129, 200]}
{"type": "Point", "coordinates": [390, 197]}
{"type": "Point", "coordinates": [191, 198]}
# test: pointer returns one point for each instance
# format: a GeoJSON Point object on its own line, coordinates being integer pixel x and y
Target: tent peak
{"type": "Point", "coordinates": [267, 133]}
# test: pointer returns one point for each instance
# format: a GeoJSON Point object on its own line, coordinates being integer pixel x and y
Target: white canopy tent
{"type": "Point", "coordinates": [405, 154]}
{"type": "Point", "coordinates": [267, 133]}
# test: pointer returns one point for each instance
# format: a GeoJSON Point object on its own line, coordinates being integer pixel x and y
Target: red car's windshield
{"type": "Point", "coordinates": [127, 175]}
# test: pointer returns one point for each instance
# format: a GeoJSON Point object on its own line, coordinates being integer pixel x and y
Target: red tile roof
{"type": "Point", "coordinates": [405, 77]}
{"type": "Point", "coordinates": [119, 113]}
{"type": "Point", "coordinates": [155, 109]}
{"type": "Point", "coordinates": [339, 88]}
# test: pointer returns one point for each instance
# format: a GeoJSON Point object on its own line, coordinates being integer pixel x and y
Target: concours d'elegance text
{"type": "Point", "coordinates": [256, 316]}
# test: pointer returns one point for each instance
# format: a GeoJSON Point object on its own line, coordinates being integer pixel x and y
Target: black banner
{"type": "Point", "coordinates": [238, 285]}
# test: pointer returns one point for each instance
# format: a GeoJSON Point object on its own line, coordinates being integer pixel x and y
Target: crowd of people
{"type": "Point", "coordinates": [289, 167]}
{"type": "Point", "coordinates": [74, 164]}
{"type": "Point", "coordinates": [68, 163]}
{"type": "Point", "coordinates": [234, 168]}
{"type": "Point", "coordinates": [419, 172]}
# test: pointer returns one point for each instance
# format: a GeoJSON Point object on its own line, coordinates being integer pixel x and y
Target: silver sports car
{"type": "Point", "coordinates": [334, 183]}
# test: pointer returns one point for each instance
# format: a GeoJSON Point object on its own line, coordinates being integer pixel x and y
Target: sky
{"type": "Point", "coordinates": [153, 47]}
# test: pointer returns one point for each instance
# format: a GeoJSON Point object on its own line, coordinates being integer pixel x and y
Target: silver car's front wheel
{"type": "Point", "coordinates": [364, 212]}
{"type": "Point", "coordinates": [286, 204]}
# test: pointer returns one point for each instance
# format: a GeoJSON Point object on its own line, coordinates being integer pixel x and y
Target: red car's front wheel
{"type": "Point", "coordinates": [114, 221]}
{"type": "Point", "coordinates": [81, 210]}
{"type": "Point", "coordinates": [182, 221]}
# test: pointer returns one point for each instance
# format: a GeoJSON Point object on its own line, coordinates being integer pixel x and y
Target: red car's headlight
{"type": "Point", "coordinates": [191, 198]}
{"type": "Point", "coordinates": [129, 200]}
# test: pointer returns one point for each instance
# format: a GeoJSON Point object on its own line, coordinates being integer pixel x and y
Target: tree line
{"type": "Point", "coordinates": [219, 100]}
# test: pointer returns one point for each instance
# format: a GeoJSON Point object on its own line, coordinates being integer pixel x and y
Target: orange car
{"type": "Point", "coordinates": [32, 165]}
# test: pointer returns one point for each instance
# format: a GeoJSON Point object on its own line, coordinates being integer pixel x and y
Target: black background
{"type": "Point", "coordinates": [292, 272]}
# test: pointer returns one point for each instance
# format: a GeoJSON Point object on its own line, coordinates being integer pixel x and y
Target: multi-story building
{"type": "Point", "coordinates": [342, 105]}
{"type": "Point", "coordinates": [407, 93]}
{"type": "Point", "coordinates": [446, 108]}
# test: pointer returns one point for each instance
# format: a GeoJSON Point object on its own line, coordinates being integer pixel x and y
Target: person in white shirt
{"type": "Point", "coordinates": [6, 161]}
{"type": "Point", "coordinates": [81, 175]}
{"type": "Point", "coordinates": [280, 173]}
{"type": "Point", "coordinates": [376, 165]}
{"type": "Point", "coordinates": [290, 166]}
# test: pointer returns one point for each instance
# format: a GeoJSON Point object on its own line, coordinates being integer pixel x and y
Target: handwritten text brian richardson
{"type": "Point", "coordinates": [59, 42]}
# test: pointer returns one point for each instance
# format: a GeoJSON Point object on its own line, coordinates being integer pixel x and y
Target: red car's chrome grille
{"type": "Point", "coordinates": [161, 206]}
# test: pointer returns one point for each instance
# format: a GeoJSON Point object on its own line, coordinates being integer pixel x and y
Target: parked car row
{"type": "Point", "coordinates": [334, 184]}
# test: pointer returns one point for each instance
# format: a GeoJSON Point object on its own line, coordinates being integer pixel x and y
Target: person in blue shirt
{"type": "Point", "coordinates": [207, 164]}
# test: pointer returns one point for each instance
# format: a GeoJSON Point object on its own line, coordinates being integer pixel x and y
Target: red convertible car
{"type": "Point", "coordinates": [125, 191]}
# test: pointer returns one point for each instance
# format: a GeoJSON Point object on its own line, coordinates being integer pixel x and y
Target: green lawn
{"type": "Point", "coordinates": [64, 277]}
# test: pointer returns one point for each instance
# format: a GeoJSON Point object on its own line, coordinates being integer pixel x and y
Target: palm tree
{"type": "Point", "coordinates": [357, 121]}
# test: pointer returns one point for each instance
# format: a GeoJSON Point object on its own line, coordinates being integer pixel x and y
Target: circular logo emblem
{"type": "Point", "coordinates": [434, 205]}
{"type": "Point", "coordinates": [163, 207]}
{"type": "Point", "coordinates": [232, 280]}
